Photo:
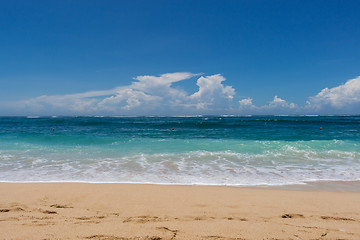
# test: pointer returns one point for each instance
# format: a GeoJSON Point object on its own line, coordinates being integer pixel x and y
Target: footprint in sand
{"type": "Point", "coordinates": [337, 218]}
{"type": "Point", "coordinates": [292, 215]}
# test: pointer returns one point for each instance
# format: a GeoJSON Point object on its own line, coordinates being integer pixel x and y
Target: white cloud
{"type": "Point", "coordinates": [346, 95]}
{"type": "Point", "coordinates": [145, 95]}
{"type": "Point", "coordinates": [212, 93]}
{"type": "Point", "coordinates": [211, 86]}
{"type": "Point", "coordinates": [280, 103]}
{"type": "Point", "coordinates": [276, 106]}
{"type": "Point", "coordinates": [127, 99]}
{"type": "Point", "coordinates": [246, 102]}
{"type": "Point", "coordinates": [161, 86]}
{"type": "Point", "coordinates": [157, 95]}
{"type": "Point", "coordinates": [246, 106]}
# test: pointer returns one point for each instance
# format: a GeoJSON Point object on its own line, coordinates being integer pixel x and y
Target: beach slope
{"type": "Point", "coordinates": [135, 211]}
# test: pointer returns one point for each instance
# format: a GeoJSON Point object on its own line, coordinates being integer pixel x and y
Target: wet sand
{"type": "Point", "coordinates": [134, 211]}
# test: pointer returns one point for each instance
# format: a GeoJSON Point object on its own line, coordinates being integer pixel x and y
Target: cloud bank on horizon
{"type": "Point", "coordinates": [157, 95]}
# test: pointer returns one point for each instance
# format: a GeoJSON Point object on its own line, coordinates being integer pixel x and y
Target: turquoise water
{"type": "Point", "coordinates": [212, 150]}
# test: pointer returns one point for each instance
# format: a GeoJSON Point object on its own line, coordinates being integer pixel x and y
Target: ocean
{"type": "Point", "coordinates": [196, 150]}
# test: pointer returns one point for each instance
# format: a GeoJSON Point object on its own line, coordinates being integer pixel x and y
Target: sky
{"type": "Point", "coordinates": [129, 58]}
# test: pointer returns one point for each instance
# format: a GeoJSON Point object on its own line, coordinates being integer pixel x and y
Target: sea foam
{"type": "Point", "coordinates": [206, 150]}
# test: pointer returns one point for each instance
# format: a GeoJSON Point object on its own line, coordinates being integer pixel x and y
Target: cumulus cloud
{"type": "Point", "coordinates": [157, 95]}
{"type": "Point", "coordinates": [161, 85]}
{"type": "Point", "coordinates": [246, 102]}
{"type": "Point", "coordinates": [276, 106]}
{"type": "Point", "coordinates": [145, 95]}
{"type": "Point", "coordinates": [212, 92]}
{"type": "Point", "coordinates": [342, 99]}
{"type": "Point", "coordinates": [344, 96]}
{"type": "Point", "coordinates": [211, 86]}
{"type": "Point", "coordinates": [127, 99]}
{"type": "Point", "coordinates": [280, 103]}
{"type": "Point", "coordinates": [147, 92]}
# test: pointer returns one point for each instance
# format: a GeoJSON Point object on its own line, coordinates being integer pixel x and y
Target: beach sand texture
{"type": "Point", "coordinates": [135, 211]}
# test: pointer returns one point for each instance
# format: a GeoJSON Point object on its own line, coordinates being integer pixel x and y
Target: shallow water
{"type": "Point", "coordinates": [209, 150]}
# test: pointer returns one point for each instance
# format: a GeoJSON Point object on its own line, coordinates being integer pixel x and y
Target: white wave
{"type": "Point", "coordinates": [289, 166]}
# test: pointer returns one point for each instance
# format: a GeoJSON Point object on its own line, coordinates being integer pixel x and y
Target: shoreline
{"type": "Point", "coordinates": [115, 211]}
{"type": "Point", "coordinates": [328, 186]}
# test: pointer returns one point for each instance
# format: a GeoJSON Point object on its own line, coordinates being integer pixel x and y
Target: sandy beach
{"type": "Point", "coordinates": [135, 211]}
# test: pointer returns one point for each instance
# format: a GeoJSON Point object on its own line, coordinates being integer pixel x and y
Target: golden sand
{"type": "Point", "coordinates": [133, 211]}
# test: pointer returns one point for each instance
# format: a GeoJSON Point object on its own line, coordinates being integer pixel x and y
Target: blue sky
{"type": "Point", "coordinates": [179, 57]}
